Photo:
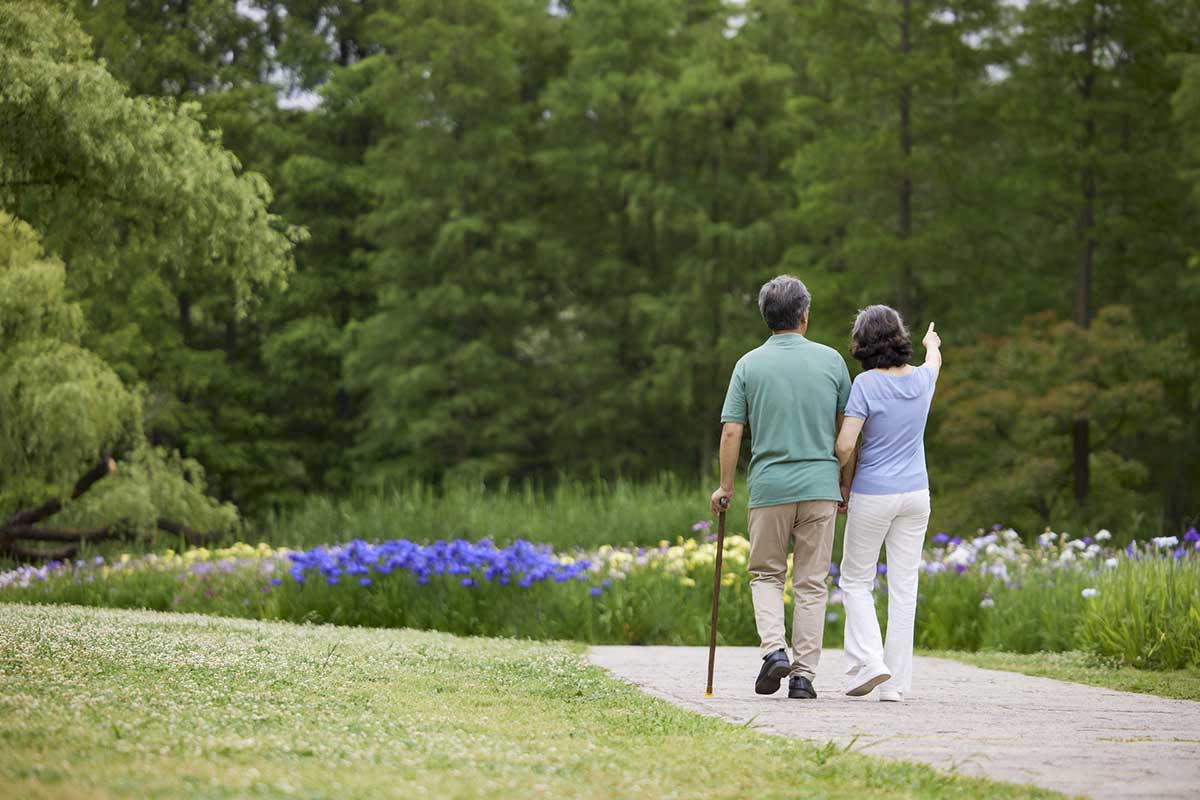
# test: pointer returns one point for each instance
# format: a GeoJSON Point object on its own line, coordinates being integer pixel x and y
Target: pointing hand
{"type": "Point", "coordinates": [931, 338]}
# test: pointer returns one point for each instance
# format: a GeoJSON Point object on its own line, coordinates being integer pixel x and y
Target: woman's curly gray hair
{"type": "Point", "coordinates": [880, 338]}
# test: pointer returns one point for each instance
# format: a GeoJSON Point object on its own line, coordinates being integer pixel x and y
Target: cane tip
{"type": "Point", "coordinates": [708, 694]}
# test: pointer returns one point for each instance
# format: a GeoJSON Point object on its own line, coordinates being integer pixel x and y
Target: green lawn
{"type": "Point", "coordinates": [1181, 684]}
{"type": "Point", "coordinates": [107, 703]}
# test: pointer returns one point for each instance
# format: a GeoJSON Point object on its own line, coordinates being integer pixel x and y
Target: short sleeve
{"type": "Point", "coordinates": [858, 406]}
{"type": "Point", "coordinates": [843, 386]}
{"type": "Point", "coordinates": [929, 377]}
{"type": "Point", "coordinates": [734, 409]}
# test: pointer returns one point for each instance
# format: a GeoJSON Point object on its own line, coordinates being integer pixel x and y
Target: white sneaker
{"type": "Point", "coordinates": [867, 679]}
{"type": "Point", "coordinates": [890, 697]}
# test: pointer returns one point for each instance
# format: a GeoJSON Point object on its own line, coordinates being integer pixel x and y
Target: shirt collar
{"type": "Point", "coordinates": [786, 339]}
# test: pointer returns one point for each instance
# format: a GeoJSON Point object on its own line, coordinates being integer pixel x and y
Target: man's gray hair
{"type": "Point", "coordinates": [783, 302]}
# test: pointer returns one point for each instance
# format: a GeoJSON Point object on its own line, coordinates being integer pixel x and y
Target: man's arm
{"type": "Point", "coordinates": [731, 448]}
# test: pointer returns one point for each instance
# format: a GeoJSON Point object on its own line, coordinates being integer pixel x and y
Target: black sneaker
{"type": "Point", "coordinates": [775, 668]}
{"type": "Point", "coordinates": [800, 687]}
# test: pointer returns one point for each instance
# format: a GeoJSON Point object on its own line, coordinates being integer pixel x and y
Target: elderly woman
{"type": "Point", "coordinates": [888, 503]}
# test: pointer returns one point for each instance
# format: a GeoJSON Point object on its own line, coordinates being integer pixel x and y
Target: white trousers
{"type": "Point", "coordinates": [898, 521]}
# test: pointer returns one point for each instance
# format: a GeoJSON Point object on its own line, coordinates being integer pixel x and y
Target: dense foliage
{"type": "Point", "coordinates": [536, 231]}
{"type": "Point", "coordinates": [135, 202]}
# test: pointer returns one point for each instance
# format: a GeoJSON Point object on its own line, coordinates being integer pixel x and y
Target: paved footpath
{"type": "Point", "coordinates": [1081, 740]}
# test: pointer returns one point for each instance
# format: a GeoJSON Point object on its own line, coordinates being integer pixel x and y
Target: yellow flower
{"type": "Point", "coordinates": [688, 582]}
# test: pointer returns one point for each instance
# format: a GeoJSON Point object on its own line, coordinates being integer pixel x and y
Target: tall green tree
{"type": "Point", "coordinates": [65, 414]}
{"type": "Point", "coordinates": [1008, 410]}
{"type": "Point", "coordinates": [451, 364]}
{"type": "Point", "coordinates": [596, 164]}
{"type": "Point", "coordinates": [325, 185]}
{"type": "Point", "coordinates": [219, 60]}
{"type": "Point", "coordinates": [1090, 91]}
{"type": "Point", "coordinates": [896, 189]}
{"type": "Point", "coordinates": [721, 134]}
{"type": "Point", "coordinates": [132, 194]}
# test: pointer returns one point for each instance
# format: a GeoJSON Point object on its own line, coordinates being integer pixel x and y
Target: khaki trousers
{"type": "Point", "coordinates": [809, 526]}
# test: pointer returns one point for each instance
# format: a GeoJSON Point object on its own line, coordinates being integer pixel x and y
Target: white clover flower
{"type": "Point", "coordinates": [1103, 535]}
{"type": "Point", "coordinates": [1110, 562]}
{"type": "Point", "coordinates": [959, 556]}
{"type": "Point", "coordinates": [987, 602]}
{"type": "Point", "coordinates": [1090, 592]}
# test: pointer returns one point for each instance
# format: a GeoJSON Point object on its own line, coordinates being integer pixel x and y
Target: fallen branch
{"type": "Point", "coordinates": [31, 554]}
{"type": "Point", "coordinates": [104, 468]}
{"type": "Point", "coordinates": [58, 534]}
{"type": "Point", "coordinates": [189, 535]}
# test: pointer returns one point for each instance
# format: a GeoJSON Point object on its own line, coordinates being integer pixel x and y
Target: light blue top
{"type": "Point", "coordinates": [895, 407]}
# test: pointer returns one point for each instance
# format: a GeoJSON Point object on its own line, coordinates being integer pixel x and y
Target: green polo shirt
{"type": "Point", "coordinates": [790, 391]}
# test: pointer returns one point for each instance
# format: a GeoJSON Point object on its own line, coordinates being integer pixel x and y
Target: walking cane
{"type": "Point", "coordinates": [712, 635]}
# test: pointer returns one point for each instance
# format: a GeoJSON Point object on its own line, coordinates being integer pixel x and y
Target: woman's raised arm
{"type": "Point", "coordinates": [933, 349]}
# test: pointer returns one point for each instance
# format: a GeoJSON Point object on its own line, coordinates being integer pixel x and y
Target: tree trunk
{"type": "Point", "coordinates": [906, 291]}
{"type": "Point", "coordinates": [185, 318]}
{"type": "Point", "coordinates": [709, 409]}
{"type": "Point", "coordinates": [1086, 234]}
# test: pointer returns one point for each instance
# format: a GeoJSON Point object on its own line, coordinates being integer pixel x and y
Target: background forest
{"type": "Point", "coordinates": [264, 251]}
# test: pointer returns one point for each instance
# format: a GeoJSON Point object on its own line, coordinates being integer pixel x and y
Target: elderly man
{"type": "Point", "coordinates": [792, 393]}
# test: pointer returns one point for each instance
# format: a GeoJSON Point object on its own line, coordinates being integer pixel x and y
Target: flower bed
{"type": "Point", "coordinates": [1139, 604]}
